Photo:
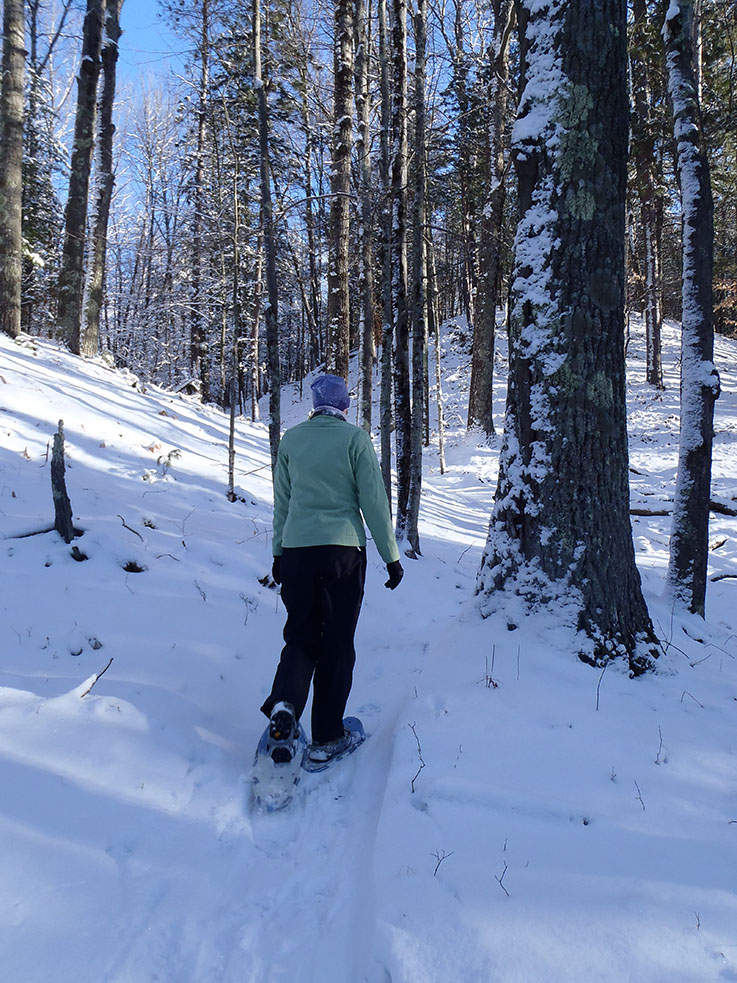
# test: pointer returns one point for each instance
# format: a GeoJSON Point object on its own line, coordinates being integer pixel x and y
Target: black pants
{"type": "Point", "coordinates": [322, 590]}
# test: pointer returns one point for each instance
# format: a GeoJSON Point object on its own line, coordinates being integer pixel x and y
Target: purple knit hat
{"type": "Point", "coordinates": [330, 390]}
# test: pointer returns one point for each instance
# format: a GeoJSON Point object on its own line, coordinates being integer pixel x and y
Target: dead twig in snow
{"type": "Point", "coordinates": [95, 678]}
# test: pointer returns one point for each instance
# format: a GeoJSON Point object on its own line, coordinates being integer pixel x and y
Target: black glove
{"type": "Point", "coordinates": [396, 573]}
{"type": "Point", "coordinates": [276, 570]}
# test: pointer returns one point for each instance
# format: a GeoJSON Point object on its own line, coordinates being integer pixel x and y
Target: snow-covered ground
{"type": "Point", "coordinates": [515, 816]}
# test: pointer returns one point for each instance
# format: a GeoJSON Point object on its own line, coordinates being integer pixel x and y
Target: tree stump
{"type": "Point", "coordinates": [62, 505]}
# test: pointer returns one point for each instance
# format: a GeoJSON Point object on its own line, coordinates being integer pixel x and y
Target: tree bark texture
{"type": "Point", "coordinates": [340, 186]}
{"type": "Point", "coordinates": [484, 328]}
{"type": "Point", "coordinates": [402, 401]}
{"type": "Point", "coordinates": [689, 544]}
{"type": "Point", "coordinates": [62, 506]}
{"type": "Point", "coordinates": [560, 531]}
{"type": "Point", "coordinates": [71, 277]}
{"type": "Point", "coordinates": [105, 181]}
{"type": "Point", "coordinates": [11, 166]}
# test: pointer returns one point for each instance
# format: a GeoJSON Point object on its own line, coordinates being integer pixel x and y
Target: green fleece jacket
{"type": "Point", "coordinates": [326, 477]}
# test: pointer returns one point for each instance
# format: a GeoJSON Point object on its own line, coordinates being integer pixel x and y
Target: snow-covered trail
{"type": "Point", "coordinates": [512, 816]}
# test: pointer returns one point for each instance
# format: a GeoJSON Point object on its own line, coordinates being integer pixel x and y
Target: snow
{"type": "Point", "coordinates": [514, 815]}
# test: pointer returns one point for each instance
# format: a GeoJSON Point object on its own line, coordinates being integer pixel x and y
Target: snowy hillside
{"type": "Point", "coordinates": [515, 816]}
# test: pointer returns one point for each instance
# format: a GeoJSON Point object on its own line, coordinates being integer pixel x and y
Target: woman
{"type": "Point", "coordinates": [327, 481]}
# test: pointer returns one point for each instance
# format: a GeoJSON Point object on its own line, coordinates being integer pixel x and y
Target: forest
{"type": "Point", "coordinates": [324, 181]}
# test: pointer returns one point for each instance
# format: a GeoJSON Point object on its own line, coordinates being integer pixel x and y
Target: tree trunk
{"type": "Point", "coordinates": [484, 327]}
{"type": "Point", "coordinates": [387, 331]}
{"type": "Point", "coordinates": [402, 403]}
{"type": "Point", "coordinates": [267, 224]}
{"type": "Point", "coordinates": [71, 278]}
{"type": "Point", "coordinates": [198, 341]}
{"type": "Point", "coordinates": [689, 543]}
{"type": "Point", "coordinates": [340, 187]}
{"type": "Point", "coordinates": [366, 228]}
{"type": "Point", "coordinates": [645, 160]}
{"type": "Point", "coordinates": [105, 181]}
{"type": "Point", "coordinates": [11, 166]}
{"type": "Point", "coordinates": [419, 283]}
{"type": "Point", "coordinates": [560, 531]}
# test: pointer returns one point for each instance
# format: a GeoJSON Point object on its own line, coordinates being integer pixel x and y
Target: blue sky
{"type": "Point", "coordinates": [147, 46]}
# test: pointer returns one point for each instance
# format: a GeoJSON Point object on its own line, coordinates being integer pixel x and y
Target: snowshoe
{"type": "Point", "coordinates": [277, 763]}
{"type": "Point", "coordinates": [319, 757]}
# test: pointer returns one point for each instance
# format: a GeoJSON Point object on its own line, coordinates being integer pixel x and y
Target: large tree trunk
{"type": "Point", "coordinates": [271, 312]}
{"type": "Point", "coordinates": [645, 160]}
{"type": "Point", "coordinates": [402, 402]}
{"type": "Point", "coordinates": [105, 181]}
{"type": "Point", "coordinates": [560, 532]}
{"type": "Point", "coordinates": [340, 187]}
{"type": "Point", "coordinates": [689, 544]}
{"type": "Point", "coordinates": [484, 328]}
{"type": "Point", "coordinates": [71, 278]}
{"type": "Point", "coordinates": [11, 166]}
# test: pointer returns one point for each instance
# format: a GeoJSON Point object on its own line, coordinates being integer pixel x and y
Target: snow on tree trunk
{"type": "Point", "coordinates": [560, 532]}
{"type": "Point", "coordinates": [71, 278]}
{"type": "Point", "coordinates": [11, 161]}
{"type": "Point", "coordinates": [105, 182]}
{"type": "Point", "coordinates": [699, 379]}
{"type": "Point", "coordinates": [340, 187]}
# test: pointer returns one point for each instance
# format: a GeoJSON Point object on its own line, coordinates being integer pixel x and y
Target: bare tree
{"type": "Point", "coordinates": [269, 242]}
{"type": "Point", "coordinates": [484, 328]}
{"type": "Point", "coordinates": [689, 546]}
{"type": "Point", "coordinates": [399, 198]}
{"type": "Point", "coordinates": [71, 278]}
{"type": "Point", "coordinates": [340, 187]}
{"type": "Point", "coordinates": [105, 179]}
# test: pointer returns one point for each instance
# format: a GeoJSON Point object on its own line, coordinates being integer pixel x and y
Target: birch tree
{"type": "Point", "coordinates": [560, 533]}
{"type": "Point", "coordinates": [689, 543]}
{"type": "Point", "coordinates": [11, 166]}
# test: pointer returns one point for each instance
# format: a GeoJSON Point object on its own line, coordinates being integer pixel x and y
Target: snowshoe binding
{"type": "Point", "coordinates": [319, 757]}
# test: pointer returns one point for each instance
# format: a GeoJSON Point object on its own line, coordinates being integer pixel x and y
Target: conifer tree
{"type": "Point", "coordinates": [560, 532]}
